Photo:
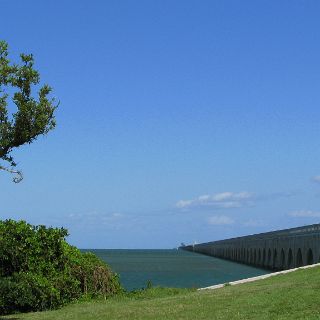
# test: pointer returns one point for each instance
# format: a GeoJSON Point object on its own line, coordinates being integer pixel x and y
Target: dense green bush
{"type": "Point", "coordinates": [27, 292]}
{"type": "Point", "coordinates": [39, 270]}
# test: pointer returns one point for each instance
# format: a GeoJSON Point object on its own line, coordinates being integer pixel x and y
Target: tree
{"type": "Point", "coordinates": [23, 118]}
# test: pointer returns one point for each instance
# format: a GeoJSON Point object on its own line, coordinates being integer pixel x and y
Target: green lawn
{"type": "Point", "coordinates": [292, 296]}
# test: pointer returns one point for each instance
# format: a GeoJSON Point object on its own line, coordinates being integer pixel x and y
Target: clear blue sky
{"type": "Point", "coordinates": [179, 121]}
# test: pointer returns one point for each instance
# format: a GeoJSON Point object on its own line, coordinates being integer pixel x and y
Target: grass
{"type": "Point", "coordinates": [290, 296]}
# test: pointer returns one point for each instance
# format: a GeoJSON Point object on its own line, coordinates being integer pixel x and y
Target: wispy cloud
{"type": "Point", "coordinates": [218, 200]}
{"type": "Point", "coordinates": [277, 195]}
{"type": "Point", "coordinates": [94, 218]}
{"type": "Point", "coordinates": [305, 213]}
{"type": "Point", "coordinates": [253, 223]}
{"type": "Point", "coordinates": [316, 179]}
{"type": "Point", "coordinates": [220, 220]}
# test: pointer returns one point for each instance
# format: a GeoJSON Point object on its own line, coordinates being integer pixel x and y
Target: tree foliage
{"type": "Point", "coordinates": [31, 115]}
{"type": "Point", "coordinates": [39, 270]}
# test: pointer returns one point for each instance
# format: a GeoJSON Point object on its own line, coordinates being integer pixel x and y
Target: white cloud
{"type": "Point", "coordinates": [305, 213]}
{"type": "Point", "coordinates": [93, 218]}
{"type": "Point", "coordinates": [184, 203]}
{"type": "Point", "coordinates": [219, 200]}
{"type": "Point", "coordinates": [117, 215]}
{"type": "Point", "coordinates": [220, 220]}
{"type": "Point", "coordinates": [253, 223]}
{"type": "Point", "coordinates": [316, 179]}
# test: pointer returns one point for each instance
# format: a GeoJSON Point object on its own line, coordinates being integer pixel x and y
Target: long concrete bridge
{"type": "Point", "coordinates": [275, 250]}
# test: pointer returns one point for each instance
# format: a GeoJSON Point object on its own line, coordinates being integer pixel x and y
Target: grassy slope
{"type": "Point", "coordinates": [291, 296]}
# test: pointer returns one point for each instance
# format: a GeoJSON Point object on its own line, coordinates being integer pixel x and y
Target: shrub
{"type": "Point", "coordinates": [95, 278]}
{"type": "Point", "coordinates": [27, 292]}
{"type": "Point", "coordinates": [39, 270]}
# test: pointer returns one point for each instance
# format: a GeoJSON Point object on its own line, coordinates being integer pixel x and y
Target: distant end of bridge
{"type": "Point", "coordinates": [275, 250]}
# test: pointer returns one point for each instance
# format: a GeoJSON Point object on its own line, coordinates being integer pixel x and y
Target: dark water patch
{"type": "Point", "coordinates": [172, 268]}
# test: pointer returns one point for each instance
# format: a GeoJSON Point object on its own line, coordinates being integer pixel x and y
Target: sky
{"type": "Point", "coordinates": [179, 121]}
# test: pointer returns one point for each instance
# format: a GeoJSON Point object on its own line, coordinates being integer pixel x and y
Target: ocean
{"type": "Point", "coordinates": [172, 268]}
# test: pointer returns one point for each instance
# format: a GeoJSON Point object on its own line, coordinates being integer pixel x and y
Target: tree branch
{"type": "Point", "coordinates": [18, 174]}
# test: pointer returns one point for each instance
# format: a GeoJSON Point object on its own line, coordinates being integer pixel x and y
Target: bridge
{"type": "Point", "coordinates": [275, 250]}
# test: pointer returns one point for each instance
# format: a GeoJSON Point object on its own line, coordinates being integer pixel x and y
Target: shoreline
{"type": "Point", "coordinates": [252, 279]}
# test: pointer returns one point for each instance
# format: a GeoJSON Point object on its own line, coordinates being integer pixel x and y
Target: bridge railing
{"type": "Point", "coordinates": [315, 228]}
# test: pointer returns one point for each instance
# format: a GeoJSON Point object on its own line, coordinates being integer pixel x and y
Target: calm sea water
{"type": "Point", "coordinates": [172, 268]}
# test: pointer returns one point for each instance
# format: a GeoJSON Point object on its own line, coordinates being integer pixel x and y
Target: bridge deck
{"type": "Point", "coordinates": [276, 250]}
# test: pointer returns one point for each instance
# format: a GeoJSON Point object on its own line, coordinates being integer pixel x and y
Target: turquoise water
{"type": "Point", "coordinates": [172, 268]}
